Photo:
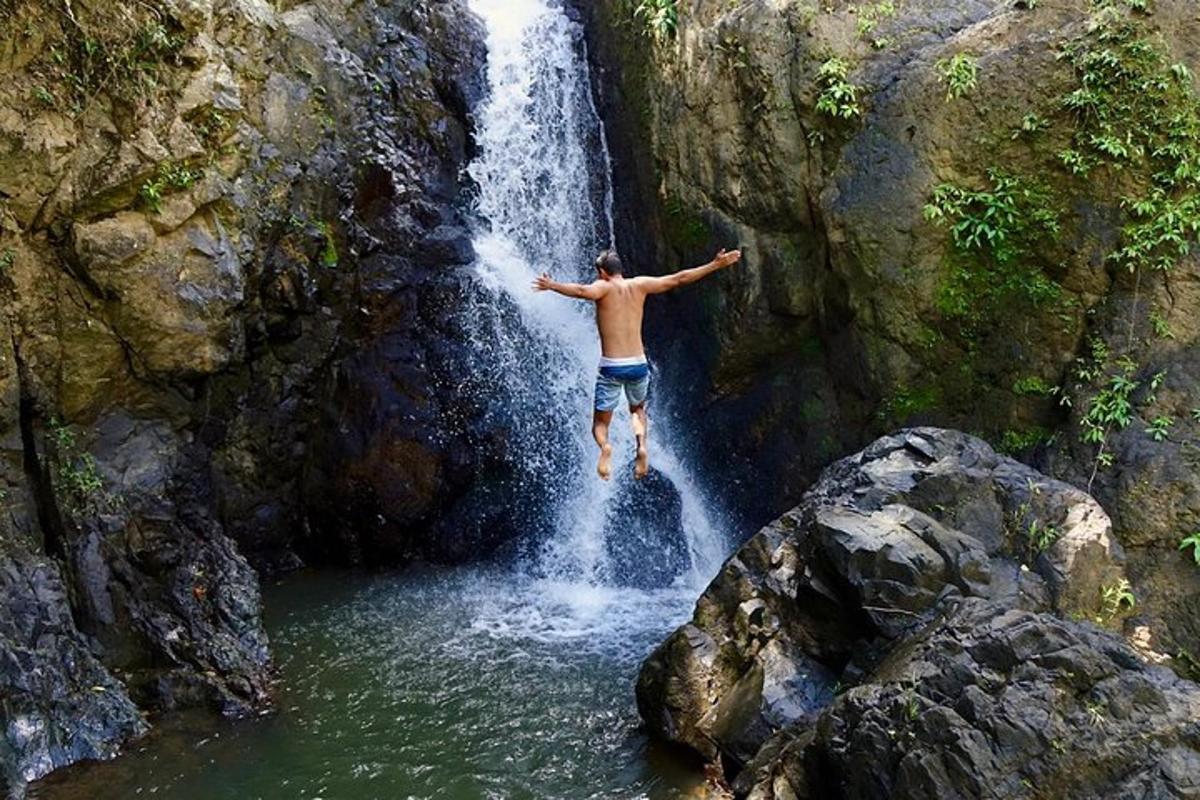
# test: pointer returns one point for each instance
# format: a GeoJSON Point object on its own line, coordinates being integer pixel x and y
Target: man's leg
{"type": "Point", "coordinates": [637, 392]}
{"type": "Point", "coordinates": [641, 430]}
{"type": "Point", "coordinates": [600, 423]}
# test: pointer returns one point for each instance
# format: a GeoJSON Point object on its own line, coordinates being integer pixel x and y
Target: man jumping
{"type": "Point", "coordinates": [619, 303]}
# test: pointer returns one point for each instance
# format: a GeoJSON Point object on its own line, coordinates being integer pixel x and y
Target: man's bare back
{"type": "Point", "coordinates": [619, 317]}
{"type": "Point", "coordinates": [620, 302]}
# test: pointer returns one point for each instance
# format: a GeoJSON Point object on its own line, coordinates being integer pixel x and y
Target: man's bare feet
{"type": "Point", "coordinates": [604, 467]}
{"type": "Point", "coordinates": [641, 467]}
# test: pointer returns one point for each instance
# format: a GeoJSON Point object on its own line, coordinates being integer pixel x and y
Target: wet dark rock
{"type": "Point", "coordinates": [881, 543]}
{"type": "Point", "coordinates": [60, 704]}
{"type": "Point", "coordinates": [645, 517]}
{"type": "Point", "coordinates": [989, 701]}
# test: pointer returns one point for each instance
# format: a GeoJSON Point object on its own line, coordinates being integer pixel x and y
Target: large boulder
{"type": "Point", "coordinates": [989, 701]}
{"type": "Point", "coordinates": [881, 541]}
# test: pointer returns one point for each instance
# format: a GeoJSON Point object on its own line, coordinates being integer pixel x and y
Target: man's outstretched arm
{"type": "Point", "coordinates": [682, 278]}
{"type": "Point", "coordinates": [583, 291]}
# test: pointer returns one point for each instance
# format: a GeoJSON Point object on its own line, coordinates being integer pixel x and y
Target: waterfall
{"type": "Point", "coordinates": [545, 205]}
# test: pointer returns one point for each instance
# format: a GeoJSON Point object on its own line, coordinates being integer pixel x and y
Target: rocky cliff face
{"type": "Point", "coordinates": [229, 232]}
{"type": "Point", "coordinates": [927, 623]}
{"type": "Point", "coordinates": [972, 213]}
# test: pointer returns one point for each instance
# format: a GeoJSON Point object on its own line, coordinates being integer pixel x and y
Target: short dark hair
{"type": "Point", "coordinates": [610, 262]}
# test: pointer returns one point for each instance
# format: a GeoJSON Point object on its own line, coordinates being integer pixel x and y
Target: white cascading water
{"type": "Point", "coordinates": [545, 200]}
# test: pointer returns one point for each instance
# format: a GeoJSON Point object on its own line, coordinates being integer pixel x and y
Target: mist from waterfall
{"type": "Point", "coordinates": [545, 205]}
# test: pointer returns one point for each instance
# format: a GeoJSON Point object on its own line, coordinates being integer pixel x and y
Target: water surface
{"type": "Point", "coordinates": [426, 684]}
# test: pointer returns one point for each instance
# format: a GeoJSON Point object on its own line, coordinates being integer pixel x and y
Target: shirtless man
{"type": "Point", "coordinates": [619, 303]}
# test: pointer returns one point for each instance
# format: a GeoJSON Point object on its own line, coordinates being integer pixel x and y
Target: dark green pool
{"type": "Point", "coordinates": [426, 684]}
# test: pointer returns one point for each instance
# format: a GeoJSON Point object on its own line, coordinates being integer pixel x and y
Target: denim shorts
{"type": "Point", "coordinates": [610, 381]}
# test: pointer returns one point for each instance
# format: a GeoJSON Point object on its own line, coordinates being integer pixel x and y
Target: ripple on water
{"type": "Point", "coordinates": [427, 684]}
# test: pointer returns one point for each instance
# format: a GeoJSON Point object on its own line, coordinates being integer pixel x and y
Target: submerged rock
{"type": "Point", "coordinates": [839, 590]}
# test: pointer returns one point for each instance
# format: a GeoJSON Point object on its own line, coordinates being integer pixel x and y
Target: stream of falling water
{"type": "Point", "coordinates": [545, 199]}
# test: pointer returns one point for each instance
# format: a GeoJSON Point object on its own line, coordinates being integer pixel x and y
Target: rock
{"type": "Point", "coordinates": [840, 321]}
{"type": "Point", "coordinates": [995, 702]}
{"type": "Point", "coordinates": [646, 517]}
{"type": "Point", "coordinates": [172, 297]}
{"type": "Point", "coordinates": [193, 244]}
{"type": "Point", "coordinates": [879, 543]}
{"type": "Point", "coordinates": [60, 704]}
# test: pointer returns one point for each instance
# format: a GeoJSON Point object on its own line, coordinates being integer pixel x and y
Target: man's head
{"type": "Point", "coordinates": [608, 264]}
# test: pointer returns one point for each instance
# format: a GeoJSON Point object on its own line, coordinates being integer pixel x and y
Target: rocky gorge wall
{"type": "Point", "coordinates": [975, 214]}
{"type": "Point", "coordinates": [230, 234]}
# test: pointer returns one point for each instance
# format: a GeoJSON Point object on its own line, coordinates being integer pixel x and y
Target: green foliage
{"type": "Point", "coordinates": [755, 80]}
{"type": "Point", "coordinates": [212, 126]}
{"type": "Point", "coordinates": [1112, 406]}
{"type": "Point", "coordinates": [1160, 428]}
{"type": "Point", "coordinates": [1031, 123]}
{"type": "Point", "coordinates": [78, 485]}
{"type": "Point", "coordinates": [1135, 111]}
{"type": "Point", "coordinates": [1162, 329]}
{"type": "Point", "coordinates": [1017, 442]}
{"type": "Point", "coordinates": [659, 18]}
{"type": "Point", "coordinates": [7, 258]}
{"type": "Point", "coordinates": [997, 233]}
{"type": "Point", "coordinates": [1114, 598]}
{"type": "Point", "coordinates": [1193, 542]}
{"type": "Point", "coordinates": [168, 178]}
{"type": "Point", "coordinates": [1041, 537]}
{"type": "Point", "coordinates": [106, 48]}
{"type": "Point", "coordinates": [838, 97]}
{"type": "Point", "coordinates": [1033, 385]}
{"type": "Point", "coordinates": [906, 402]}
{"type": "Point", "coordinates": [1004, 222]}
{"type": "Point", "coordinates": [329, 251]}
{"type": "Point", "coordinates": [960, 73]}
{"type": "Point", "coordinates": [43, 96]}
{"type": "Point", "coordinates": [869, 17]}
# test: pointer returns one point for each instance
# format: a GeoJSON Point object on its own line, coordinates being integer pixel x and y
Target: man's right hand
{"type": "Point", "coordinates": [543, 282]}
{"type": "Point", "coordinates": [724, 259]}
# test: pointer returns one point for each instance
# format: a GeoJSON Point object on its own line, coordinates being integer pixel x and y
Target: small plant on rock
{"type": "Point", "coordinates": [1160, 428]}
{"type": "Point", "coordinates": [660, 18]}
{"type": "Point", "coordinates": [78, 487]}
{"type": "Point", "coordinates": [1041, 537]}
{"type": "Point", "coordinates": [838, 97]}
{"type": "Point", "coordinates": [960, 73]}
{"type": "Point", "coordinates": [1193, 542]}
{"type": "Point", "coordinates": [1115, 598]}
{"type": "Point", "coordinates": [169, 177]}
{"type": "Point", "coordinates": [1000, 233]}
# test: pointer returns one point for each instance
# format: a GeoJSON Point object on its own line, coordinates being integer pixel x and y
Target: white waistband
{"type": "Point", "coordinates": [623, 361]}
